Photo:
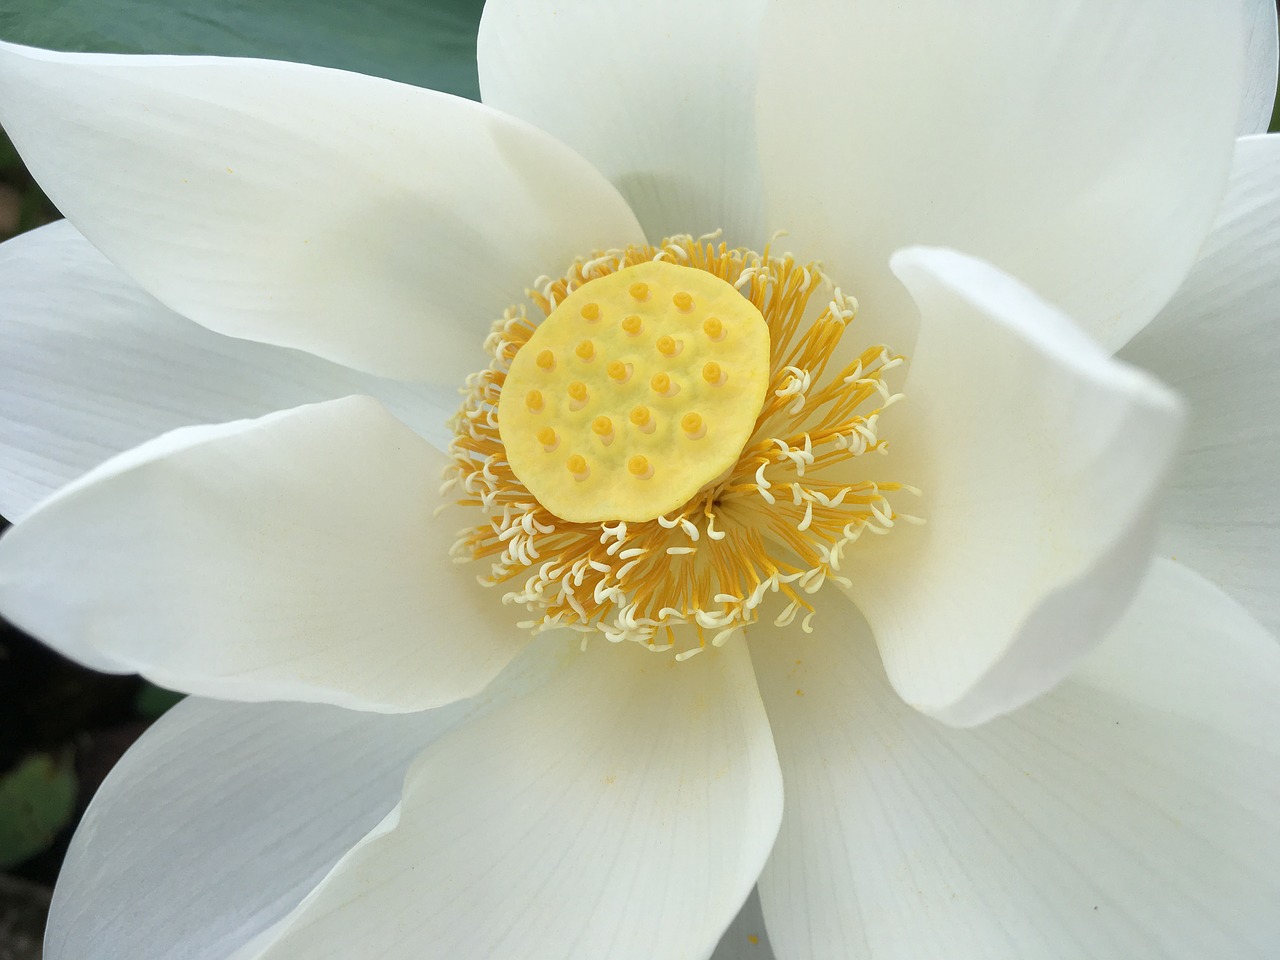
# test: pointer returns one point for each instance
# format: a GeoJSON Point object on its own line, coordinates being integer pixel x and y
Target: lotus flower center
{"type": "Point", "coordinates": [675, 434]}
{"type": "Point", "coordinates": [637, 391]}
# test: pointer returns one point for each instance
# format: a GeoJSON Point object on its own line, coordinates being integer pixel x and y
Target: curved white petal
{"type": "Point", "coordinates": [291, 557]}
{"type": "Point", "coordinates": [1039, 457]}
{"type": "Point", "coordinates": [90, 366]}
{"type": "Point", "coordinates": [1129, 813]}
{"type": "Point", "coordinates": [1082, 148]}
{"type": "Point", "coordinates": [372, 223]}
{"type": "Point", "coordinates": [222, 817]}
{"type": "Point", "coordinates": [1261, 60]}
{"type": "Point", "coordinates": [622, 810]}
{"type": "Point", "coordinates": [659, 96]}
{"type": "Point", "coordinates": [1217, 342]}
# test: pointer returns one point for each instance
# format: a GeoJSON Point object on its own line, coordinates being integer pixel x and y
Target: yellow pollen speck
{"type": "Point", "coordinates": [602, 427]}
{"type": "Point", "coordinates": [635, 400]}
{"type": "Point", "coordinates": [752, 939]}
{"type": "Point", "coordinates": [713, 373]}
{"type": "Point", "coordinates": [662, 384]}
{"type": "Point", "coordinates": [547, 360]}
{"type": "Point", "coordinates": [547, 437]}
{"type": "Point", "coordinates": [713, 327]}
{"type": "Point", "coordinates": [533, 401]}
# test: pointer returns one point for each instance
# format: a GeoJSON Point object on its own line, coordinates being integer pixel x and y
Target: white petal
{"type": "Point", "coordinates": [223, 816]}
{"type": "Point", "coordinates": [1130, 813]}
{"type": "Point", "coordinates": [220, 819]}
{"type": "Point", "coordinates": [92, 366]}
{"type": "Point", "coordinates": [623, 810]}
{"type": "Point", "coordinates": [1261, 59]}
{"type": "Point", "coordinates": [1039, 457]}
{"type": "Point", "coordinates": [660, 96]}
{"type": "Point", "coordinates": [1082, 148]}
{"type": "Point", "coordinates": [372, 223]}
{"type": "Point", "coordinates": [291, 557]}
{"type": "Point", "coordinates": [1217, 344]}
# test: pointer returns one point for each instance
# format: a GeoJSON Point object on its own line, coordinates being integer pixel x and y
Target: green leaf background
{"type": "Point", "coordinates": [37, 798]}
{"type": "Point", "coordinates": [431, 43]}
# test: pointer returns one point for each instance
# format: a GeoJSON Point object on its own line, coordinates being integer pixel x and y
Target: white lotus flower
{"type": "Point", "coordinates": [1011, 192]}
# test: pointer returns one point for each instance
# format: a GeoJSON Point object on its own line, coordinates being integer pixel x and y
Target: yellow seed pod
{"type": "Point", "coordinates": [640, 411]}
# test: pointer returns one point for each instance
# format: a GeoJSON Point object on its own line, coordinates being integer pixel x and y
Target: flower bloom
{"type": "Point", "coordinates": [677, 570]}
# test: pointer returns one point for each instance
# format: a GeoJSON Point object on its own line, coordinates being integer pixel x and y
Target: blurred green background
{"type": "Point", "coordinates": [63, 727]}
